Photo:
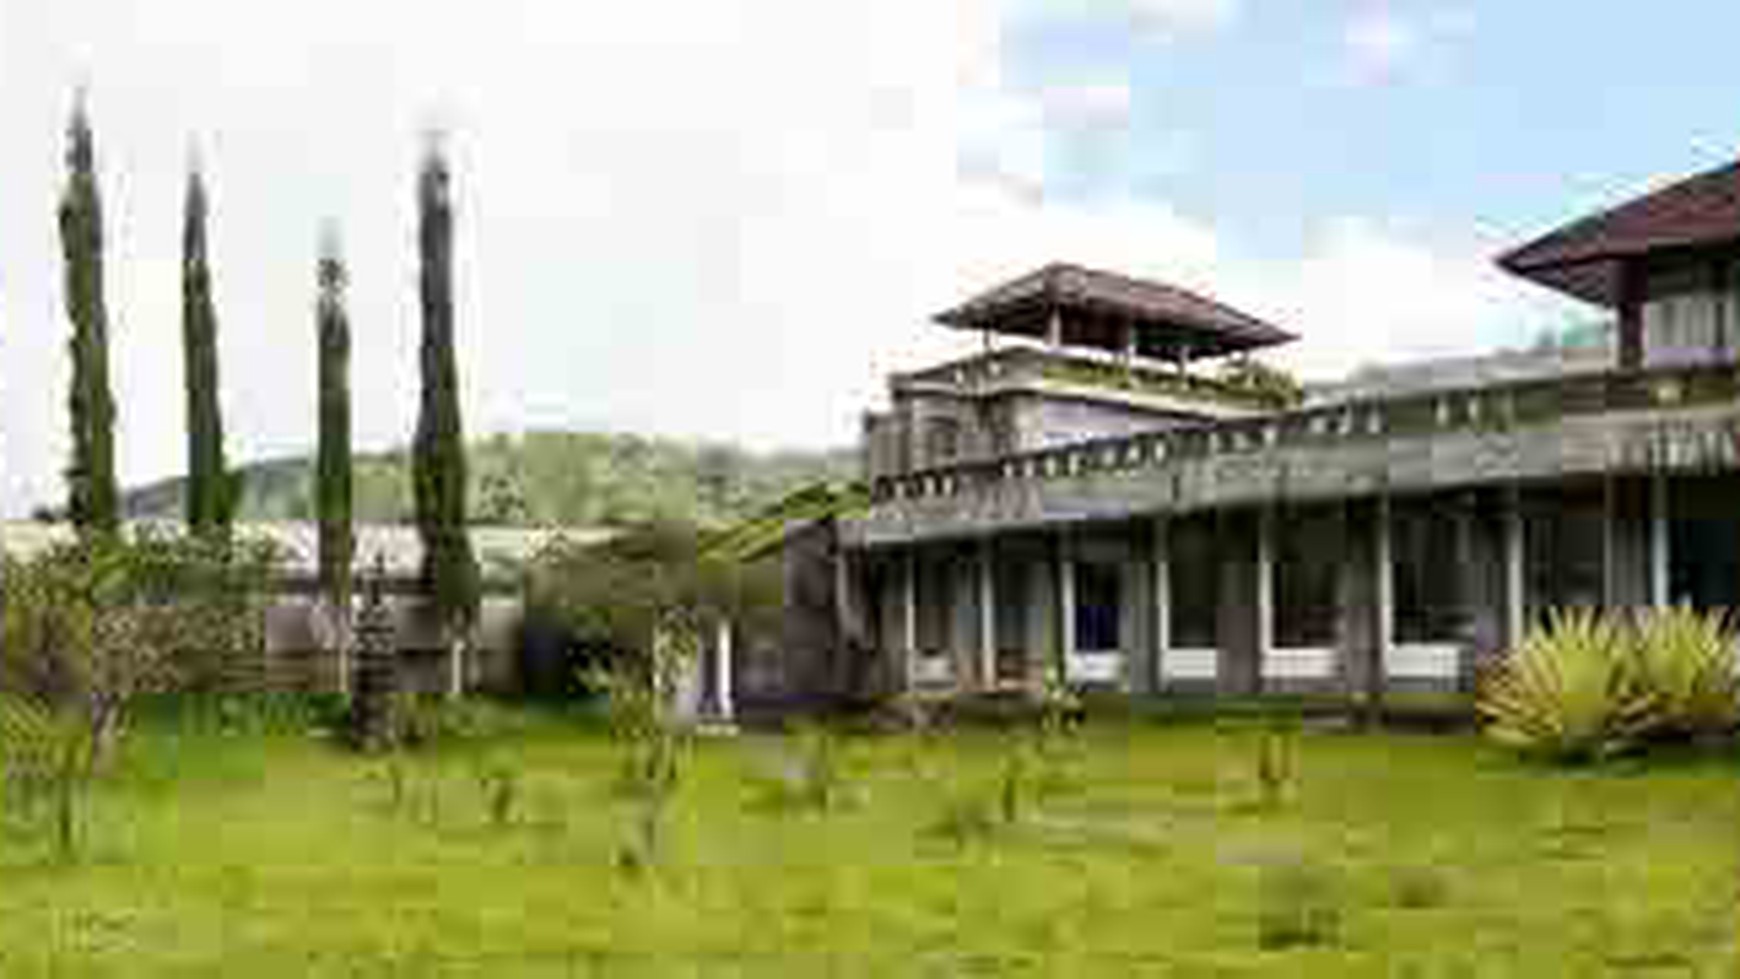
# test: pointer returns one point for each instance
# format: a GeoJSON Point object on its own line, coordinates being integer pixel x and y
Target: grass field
{"type": "Point", "coordinates": [1407, 855]}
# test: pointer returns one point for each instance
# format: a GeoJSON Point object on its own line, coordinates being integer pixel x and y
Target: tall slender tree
{"type": "Point", "coordinates": [93, 502]}
{"type": "Point", "coordinates": [438, 451]}
{"type": "Point", "coordinates": [210, 495]}
{"type": "Point", "coordinates": [332, 483]}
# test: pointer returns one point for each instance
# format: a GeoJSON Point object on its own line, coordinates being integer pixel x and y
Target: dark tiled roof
{"type": "Point", "coordinates": [1582, 257]}
{"type": "Point", "coordinates": [1163, 315]}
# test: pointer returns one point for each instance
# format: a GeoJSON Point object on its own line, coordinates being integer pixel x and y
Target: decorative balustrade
{"type": "Point", "coordinates": [1492, 408]}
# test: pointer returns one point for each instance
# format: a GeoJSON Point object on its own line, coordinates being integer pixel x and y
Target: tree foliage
{"type": "Point", "coordinates": [91, 624]}
{"type": "Point", "coordinates": [438, 451]}
{"type": "Point", "coordinates": [1270, 384]}
{"type": "Point", "coordinates": [658, 579]}
{"type": "Point", "coordinates": [93, 500]}
{"type": "Point", "coordinates": [546, 477]}
{"type": "Point", "coordinates": [211, 494]}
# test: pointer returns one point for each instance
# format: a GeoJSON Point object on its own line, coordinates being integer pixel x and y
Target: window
{"type": "Point", "coordinates": [942, 440]}
{"type": "Point", "coordinates": [1682, 316]}
{"type": "Point", "coordinates": [1097, 606]}
{"type": "Point", "coordinates": [1307, 554]}
{"type": "Point", "coordinates": [1704, 543]}
{"type": "Point", "coordinates": [1564, 549]}
{"type": "Point", "coordinates": [1426, 565]}
{"type": "Point", "coordinates": [1194, 578]}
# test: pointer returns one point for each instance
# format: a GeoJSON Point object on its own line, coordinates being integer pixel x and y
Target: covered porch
{"type": "Point", "coordinates": [1383, 592]}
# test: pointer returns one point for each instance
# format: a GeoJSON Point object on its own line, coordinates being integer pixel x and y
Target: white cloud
{"type": "Point", "coordinates": [1187, 15]}
{"type": "Point", "coordinates": [1364, 294]}
{"type": "Point", "coordinates": [1087, 106]}
{"type": "Point", "coordinates": [1162, 17]}
{"type": "Point", "coordinates": [726, 219]}
{"type": "Point", "coordinates": [1383, 43]}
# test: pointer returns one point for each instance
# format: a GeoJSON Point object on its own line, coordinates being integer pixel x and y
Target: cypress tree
{"type": "Point", "coordinates": [332, 485]}
{"type": "Point", "coordinates": [93, 502]}
{"type": "Point", "coordinates": [209, 495]}
{"type": "Point", "coordinates": [449, 570]}
{"type": "Point", "coordinates": [332, 477]}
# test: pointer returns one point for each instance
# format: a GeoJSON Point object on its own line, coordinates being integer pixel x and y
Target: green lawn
{"type": "Point", "coordinates": [1436, 855]}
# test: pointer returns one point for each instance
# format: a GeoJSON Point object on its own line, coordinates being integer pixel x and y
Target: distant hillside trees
{"type": "Point", "coordinates": [438, 450]}
{"type": "Point", "coordinates": [93, 499]}
{"type": "Point", "coordinates": [210, 493]}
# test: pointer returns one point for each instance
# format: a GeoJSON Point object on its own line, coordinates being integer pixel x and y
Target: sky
{"type": "Point", "coordinates": [729, 219]}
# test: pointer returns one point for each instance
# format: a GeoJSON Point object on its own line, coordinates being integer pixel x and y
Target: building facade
{"type": "Point", "coordinates": [1088, 501]}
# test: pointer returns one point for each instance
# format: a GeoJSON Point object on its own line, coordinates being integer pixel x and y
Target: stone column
{"type": "Point", "coordinates": [962, 574]}
{"type": "Point", "coordinates": [1660, 557]}
{"type": "Point", "coordinates": [1362, 597]}
{"type": "Point", "coordinates": [1136, 609]}
{"type": "Point", "coordinates": [848, 627]}
{"type": "Point", "coordinates": [1264, 604]}
{"type": "Point", "coordinates": [1384, 597]}
{"type": "Point", "coordinates": [908, 619]}
{"type": "Point", "coordinates": [987, 615]}
{"type": "Point", "coordinates": [1065, 602]}
{"type": "Point", "coordinates": [722, 665]}
{"type": "Point", "coordinates": [1240, 629]}
{"type": "Point", "coordinates": [1040, 642]}
{"type": "Point", "coordinates": [1160, 592]}
{"type": "Point", "coordinates": [1515, 599]}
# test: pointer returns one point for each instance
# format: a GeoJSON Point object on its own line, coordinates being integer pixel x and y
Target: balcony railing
{"type": "Point", "coordinates": [1491, 408]}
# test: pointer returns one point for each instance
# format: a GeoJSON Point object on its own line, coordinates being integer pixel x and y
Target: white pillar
{"type": "Point", "coordinates": [1514, 598]}
{"type": "Point", "coordinates": [1162, 585]}
{"type": "Point", "coordinates": [722, 666]}
{"type": "Point", "coordinates": [909, 618]}
{"type": "Point", "coordinates": [456, 664]}
{"type": "Point", "coordinates": [1660, 557]}
{"type": "Point", "coordinates": [1384, 587]}
{"type": "Point", "coordinates": [987, 615]}
{"type": "Point", "coordinates": [1054, 329]}
{"type": "Point", "coordinates": [1065, 600]}
{"type": "Point", "coordinates": [1265, 602]}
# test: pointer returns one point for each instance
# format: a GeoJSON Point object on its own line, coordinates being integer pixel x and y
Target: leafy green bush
{"type": "Point", "coordinates": [1277, 761]}
{"type": "Point", "coordinates": [431, 720]}
{"type": "Point", "coordinates": [806, 775]}
{"type": "Point", "coordinates": [1298, 904]}
{"type": "Point", "coordinates": [1572, 691]}
{"type": "Point", "coordinates": [1686, 660]}
{"type": "Point", "coordinates": [45, 761]}
{"type": "Point", "coordinates": [1419, 887]}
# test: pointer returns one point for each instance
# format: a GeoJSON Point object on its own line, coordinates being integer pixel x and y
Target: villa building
{"type": "Point", "coordinates": [1083, 498]}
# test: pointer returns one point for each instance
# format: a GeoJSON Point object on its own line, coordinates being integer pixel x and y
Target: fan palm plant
{"type": "Point", "coordinates": [1686, 659]}
{"type": "Point", "coordinates": [1571, 691]}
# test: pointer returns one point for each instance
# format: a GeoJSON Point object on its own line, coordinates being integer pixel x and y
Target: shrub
{"type": "Point", "coordinates": [807, 776]}
{"type": "Point", "coordinates": [1572, 691]}
{"type": "Point", "coordinates": [968, 813]}
{"type": "Point", "coordinates": [1418, 887]}
{"type": "Point", "coordinates": [1686, 660]}
{"type": "Point", "coordinates": [1298, 904]}
{"type": "Point", "coordinates": [45, 760]}
{"type": "Point", "coordinates": [1277, 761]}
{"type": "Point", "coordinates": [498, 782]}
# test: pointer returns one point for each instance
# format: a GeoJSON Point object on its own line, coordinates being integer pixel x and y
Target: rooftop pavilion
{"type": "Point", "coordinates": [1070, 306]}
{"type": "Point", "coordinates": [1668, 262]}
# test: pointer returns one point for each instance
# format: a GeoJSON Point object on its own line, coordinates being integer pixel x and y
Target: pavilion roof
{"type": "Point", "coordinates": [1583, 258]}
{"type": "Point", "coordinates": [1095, 308]}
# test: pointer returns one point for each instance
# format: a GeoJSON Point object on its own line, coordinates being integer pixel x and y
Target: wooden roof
{"type": "Point", "coordinates": [1583, 258]}
{"type": "Point", "coordinates": [1095, 308]}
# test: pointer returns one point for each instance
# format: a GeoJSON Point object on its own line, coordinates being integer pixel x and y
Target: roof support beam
{"type": "Point", "coordinates": [1631, 299]}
